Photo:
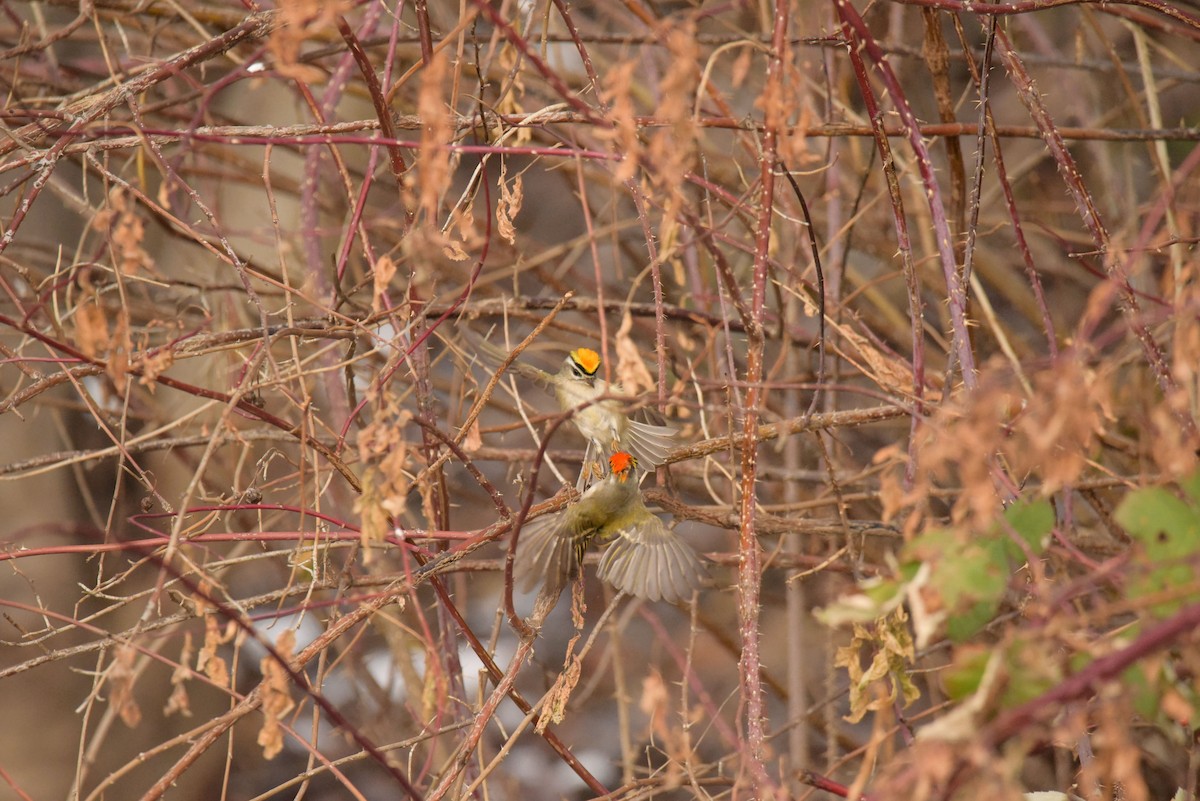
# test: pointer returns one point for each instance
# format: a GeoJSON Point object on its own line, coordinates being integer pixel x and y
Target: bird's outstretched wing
{"type": "Point", "coordinates": [492, 357]}
{"type": "Point", "coordinates": [650, 561]}
{"type": "Point", "coordinates": [545, 551]}
{"type": "Point", "coordinates": [649, 442]}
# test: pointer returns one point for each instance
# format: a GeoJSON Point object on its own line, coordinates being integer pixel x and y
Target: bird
{"type": "Point", "coordinates": [599, 413]}
{"type": "Point", "coordinates": [644, 558]}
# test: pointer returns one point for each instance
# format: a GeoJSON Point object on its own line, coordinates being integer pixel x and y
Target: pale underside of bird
{"type": "Point", "coordinates": [598, 409]}
{"type": "Point", "coordinates": [600, 416]}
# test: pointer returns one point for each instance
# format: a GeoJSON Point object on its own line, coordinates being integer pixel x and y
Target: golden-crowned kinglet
{"type": "Point", "coordinates": [644, 557]}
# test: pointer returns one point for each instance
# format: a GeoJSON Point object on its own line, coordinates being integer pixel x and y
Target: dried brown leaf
{"type": "Point", "coordinates": [892, 496]}
{"type": "Point", "coordinates": [122, 676]}
{"type": "Point", "coordinates": [672, 149]}
{"type": "Point", "coordinates": [1058, 429]}
{"type": "Point", "coordinates": [207, 659]}
{"type": "Point", "coordinates": [301, 20]}
{"type": "Point", "coordinates": [179, 700]}
{"type": "Point", "coordinates": [384, 449]}
{"type": "Point", "coordinates": [127, 235]}
{"type": "Point", "coordinates": [578, 605]}
{"type": "Point", "coordinates": [741, 67]}
{"type": "Point", "coordinates": [385, 271]}
{"type": "Point", "coordinates": [374, 521]}
{"type": "Point", "coordinates": [510, 59]}
{"type": "Point", "coordinates": [91, 328]}
{"type": "Point", "coordinates": [509, 206]}
{"type": "Point", "coordinates": [119, 350]}
{"type": "Point", "coordinates": [890, 649]}
{"type": "Point", "coordinates": [632, 374]}
{"type": "Point", "coordinates": [453, 250]}
{"type": "Point", "coordinates": [555, 706]}
{"type": "Point", "coordinates": [890, 373]}
{"type": "Point", "coordinates": [618, 94]}
{"type": "Point", "coordinates": [276, 694]}
{"type": "Point", "coordinates": [155, 365]}
{"type": "Point", "coordinates": [437, 130]}
{"type": "Point", "coordinates": [473, 440]}
{"type": "Point", "coordinates": [655, 703]}
{"type": "Point", "coordinates": [794, 141]}
{"type": "Point", "coordinates": [1045, 438]}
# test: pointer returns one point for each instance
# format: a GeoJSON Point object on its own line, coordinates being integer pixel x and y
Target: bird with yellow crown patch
{"type": "Point", "coordinates": [644, 558]}
{"type": "Point", "coordinates": [599, 413]}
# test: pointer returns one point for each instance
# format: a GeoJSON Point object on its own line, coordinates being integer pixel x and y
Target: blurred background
{"type": "Point", "coordinates": [251, 254]}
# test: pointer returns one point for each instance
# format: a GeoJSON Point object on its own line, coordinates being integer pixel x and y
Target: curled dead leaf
{"type": "Point", "coordinates": [179, 700]}
{"type": "Point", "coordinates": [207, 659]}
{"type": "Point", "coordinates": [632, 374]}
{"type": "Point", "coordinates": [155, 365]}
{"type": "Point", "coordinates": [301, 20]}
{"type": "Point", "coordinates": [433, 160]}
{"type": "Point", "coordinates": [555, 706]}
{"type": "Point", "coordinates": [509, 206]}
{"type": "Point", "coordinates": [473, 440]}
{"type": "Point", "coordinates": [276, 695]}
{"type": "Point", "coordinates": [385, 271]}
{"type": "Point", "coordinates": [618, 95]}
{"type": "Point", "coordinates": [122, 676]}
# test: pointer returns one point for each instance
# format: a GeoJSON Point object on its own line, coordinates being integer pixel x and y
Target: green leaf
{"type": "Point", "coordinates": [1143, 689]}
{"type": "Point", "coordinates": [890, 649]}
{"type": "Point", "coordinates": [1032, 670]}
{"type": "Point", "coordinates": [1165, 525]}
{"type": "Point", "coordinates": [963, 626]}
{"type": "Point", "coordinates": [1168, 530]}
{"type": "Point", "coordinates": [963, 678]}
{"type": "Point", "coordinates": [966, 574]}
{"type": "Point", "coordinates": [1191, 485]}
{"type": "Point", "coordinates": [1033, 521]}
{"type": "Point", "coordinates": [876, 597]}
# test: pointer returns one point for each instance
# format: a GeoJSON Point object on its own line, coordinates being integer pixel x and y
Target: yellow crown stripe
{"type": "Point", "coordinates": [586, 358]}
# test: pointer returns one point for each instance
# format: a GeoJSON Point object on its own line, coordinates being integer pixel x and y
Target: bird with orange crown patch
{"type": "Point", "coordinates": [644, 558]}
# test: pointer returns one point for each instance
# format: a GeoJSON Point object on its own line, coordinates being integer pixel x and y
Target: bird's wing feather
{"type": "Point", "coordinates": [650, 561]}
{"type": "Point", "coordinates": [493, 356]}
{"type": "Point", "coordinates": [544, 550]}
{"type": "Point", "coordinates": [649, 442]}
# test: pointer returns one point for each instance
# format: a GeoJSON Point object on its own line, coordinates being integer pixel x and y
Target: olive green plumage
{"type": "Point", "coordinates": [644, 558]}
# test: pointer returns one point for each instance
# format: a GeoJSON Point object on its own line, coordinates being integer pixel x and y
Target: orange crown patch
{"type": "Point", "coordinates": [586, 358]}
{"type": "Point", "coordinates": [621, 463]}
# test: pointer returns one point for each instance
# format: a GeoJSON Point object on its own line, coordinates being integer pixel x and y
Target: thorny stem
{"type": "Point", "coordinates": [1091, 678]}
{"type": "Point", "coordinates": [749, 584]}
{"type": "Point", "coordinates": [859, 36]}
{"type": "Point", "coordinates": [497, 675]}
{"type": "Point", "coordinates": [911, 281]}
{"type": "Point", "coordinates": [1171, 10]}
{"type": "Point", "coordinates": [1086, 207]}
